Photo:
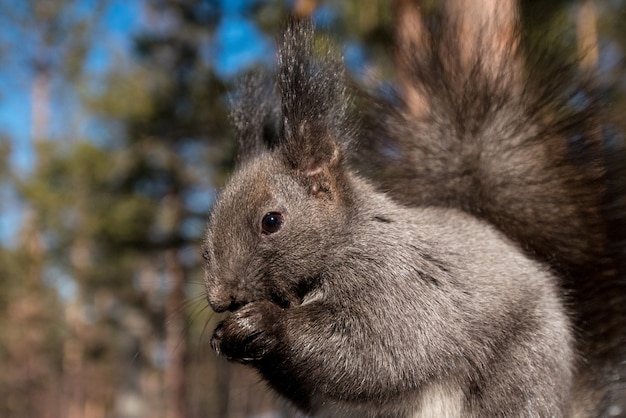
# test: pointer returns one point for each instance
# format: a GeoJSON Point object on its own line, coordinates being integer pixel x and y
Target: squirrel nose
{"type": "Point", "coordinates": [223, 293]}
{"type": "Point", "coordinates": [223, 301]}
{"type": "Point", "coordinates": [225, 306]}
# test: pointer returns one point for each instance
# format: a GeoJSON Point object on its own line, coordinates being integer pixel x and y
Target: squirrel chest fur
{"type": "Point", "coordinates": [357, 304]}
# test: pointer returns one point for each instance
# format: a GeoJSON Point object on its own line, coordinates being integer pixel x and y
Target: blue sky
{"type": "Point", "coordinates": [237, 43]}
{"type": "Point", "coordinates": [118, 23]}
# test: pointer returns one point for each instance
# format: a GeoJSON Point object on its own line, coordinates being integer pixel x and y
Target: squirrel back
{"type": "Point", "coordinates": [481, 277]}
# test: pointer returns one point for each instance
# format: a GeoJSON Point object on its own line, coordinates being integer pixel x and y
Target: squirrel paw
{"type": "Point", "coordinates": [248, 334]}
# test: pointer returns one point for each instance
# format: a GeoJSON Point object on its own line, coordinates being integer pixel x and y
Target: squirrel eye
{"type": "Point", "coordinates": [272, 222]}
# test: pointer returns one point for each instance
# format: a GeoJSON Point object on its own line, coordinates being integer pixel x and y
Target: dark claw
{"type": "Point", "coordinates": [216, 340]}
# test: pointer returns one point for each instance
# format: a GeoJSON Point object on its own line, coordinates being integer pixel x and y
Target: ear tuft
{"type": "Point", "coordinates": [305, 112]}
{"type": "Point", "coordinates": [316, 126]}
{"type": "Point", "coordinates": [255, 115]}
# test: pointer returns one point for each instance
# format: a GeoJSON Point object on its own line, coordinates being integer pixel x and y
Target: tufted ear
{"type": "Point", "coordinates": [314, 102]}
{"type": "Point", "coordinates": [255, 115]}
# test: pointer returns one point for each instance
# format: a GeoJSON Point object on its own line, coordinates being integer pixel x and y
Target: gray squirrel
{"type": "Point", "coordinates": [460, 261]}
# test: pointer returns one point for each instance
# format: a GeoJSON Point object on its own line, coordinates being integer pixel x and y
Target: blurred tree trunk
{"type": "Point", "coordinates": [223, 379]}
{"type": "Point", "coordinates": [73, 363]}
{"type": "Point", "coordinates": [488, 25]}
{"type": "Point", "coordinates": [32, 300]}
{"type": "Point", "coordinates": [47, 25]}
{"type": "Point", "coordinates": [40, 98]}
{"type": "Point", "coordinates": [77, 386]}
{"type": "Point", "coordinates": [587, 34]}
{"type": "Point", "coordinates": [588, 53]}
{"type": "Point", "coordinates": [176, 317]}
{"type": "Point", "coordinates": [409, 38]}
{"type": "Point", "coordinates": [175, 335]}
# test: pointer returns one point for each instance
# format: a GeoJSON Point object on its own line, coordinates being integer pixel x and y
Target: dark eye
{"type": "Point", "coordinates": [272, 222]}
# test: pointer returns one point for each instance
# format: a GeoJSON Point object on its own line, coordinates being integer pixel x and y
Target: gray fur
{"type": "Point", "coordinates": [366, 306]}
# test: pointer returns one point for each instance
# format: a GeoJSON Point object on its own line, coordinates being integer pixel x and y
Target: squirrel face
{"type": "Point", "coordinates": [272, 233]}
{"type": "Point", "coordinates": [278, 223]}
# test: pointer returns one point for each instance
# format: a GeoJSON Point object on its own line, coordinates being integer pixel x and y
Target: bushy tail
{"type": "Point", "coordinates": [516, 139]}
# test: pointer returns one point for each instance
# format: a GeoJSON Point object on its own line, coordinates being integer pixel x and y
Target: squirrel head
{"type": "Point", "coordinates": [275, 224]}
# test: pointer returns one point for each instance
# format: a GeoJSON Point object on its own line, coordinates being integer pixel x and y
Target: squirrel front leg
{"type": "Point", "coordinates": [314, 351]}
{"type": "Point", "coordinates": [248, 334]}
{"type": "Point", "coordinates": [258, 334]}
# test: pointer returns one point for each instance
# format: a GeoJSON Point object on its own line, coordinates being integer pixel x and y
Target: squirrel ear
{"type": "Point", "coordinates": [311, 156]}
{"type": "Point", "coordinates": [255, 116]}
{"type": "Point", "coordinates": [314, 102]}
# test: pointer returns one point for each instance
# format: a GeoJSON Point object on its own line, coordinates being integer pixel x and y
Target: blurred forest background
{"type": "Point", "coordinates": [114, 137]}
